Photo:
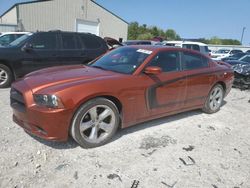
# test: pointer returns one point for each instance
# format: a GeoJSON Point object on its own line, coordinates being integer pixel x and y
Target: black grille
{"type": "Point", "coordinates": [16, 100]}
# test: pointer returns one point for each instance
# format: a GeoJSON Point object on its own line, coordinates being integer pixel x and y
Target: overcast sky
{"type": "Point", "coordinates": [190, 18]}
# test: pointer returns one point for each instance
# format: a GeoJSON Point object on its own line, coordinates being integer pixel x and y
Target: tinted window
{"type": "Point", "coordinates": [44, 41]}
{"type": "Point", "coordinates": [69, 41]}
{"type": "Point", "coordinates": [90, 41]}
{"type": "Point", "coordinates": [194, 61]}
{"type": "Point", "coordinates": [245, 58]}
{"type": "Point", "coordinates": [196, 47]}
{"type": "Point", "coordinates": [20, 40]}
{"type": "Point", "coordinates": [168, 61]}
{"type": "Point", "coordinates": [235, 51]}
{"type": "Point", "coordinates": [144, 43]}
{"type": "Point", "coordinates": [206, 49]}
{"type": "Point", "coordinates": [191, 47]}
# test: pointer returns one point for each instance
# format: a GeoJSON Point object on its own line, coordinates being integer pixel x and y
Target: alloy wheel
{"type": "Point", "coordinates": [97, 123]}
{"type": "Point", "coordinates": [215, 98]}
{"type": "Point", "coordinates": [3, 76]}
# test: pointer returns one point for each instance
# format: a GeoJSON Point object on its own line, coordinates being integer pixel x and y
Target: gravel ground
{"type": "Point", "coordinates": [188, 150]}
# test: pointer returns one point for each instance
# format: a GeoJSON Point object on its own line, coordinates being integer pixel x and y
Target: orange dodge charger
{"type": "Point", "coordinates": [124, 87]}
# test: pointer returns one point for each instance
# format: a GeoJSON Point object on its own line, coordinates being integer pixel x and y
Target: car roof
{"type": "Point", "coordinates": [155, 48]}
{"type": "Point", "coordinates": [151, 47]}
{"type": "Point", "coordinates": [138, 41]}
{"type": "Point", "coordinates": [158, 48]}
{"type": "Point", "coordinates": [185, 42]}
{"type": "Point", "coordinates": [16, 32]}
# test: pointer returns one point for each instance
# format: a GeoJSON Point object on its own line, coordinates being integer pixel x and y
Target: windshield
{"type": "Point", "coordinates": [245, 58]}
{"type": "Point", "coordinates": [19, 40]}
{"type": "Point", "coordinates": [222, 51]}
{"type": "Point", "coordinates": [123, 60]}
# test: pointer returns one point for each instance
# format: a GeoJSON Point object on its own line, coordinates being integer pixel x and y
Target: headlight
{"type": "Point", "coordinates": [50, 101]}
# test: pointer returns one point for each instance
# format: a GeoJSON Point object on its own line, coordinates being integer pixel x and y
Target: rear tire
{"type": "Point", "coordinates": [95, 123]}
{"type": "Point", "coordinates": [214, 99]}
{"type": "Point", "coordinates": [6, 76]}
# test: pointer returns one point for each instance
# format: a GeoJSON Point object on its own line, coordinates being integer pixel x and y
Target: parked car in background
{"type": "Point", "coordinates": [45, 49]}
{"type": "Point", "coordinates": [242, 60]}
{"type": "Point", "coordinates": [248, 51]}
{"type": "Point", "coordinates": [198, 46]}
{"type": "Point", "coordinates": [223, 53]}
{"type": "Point", "coordinates": [234, 56]}
{"type": "Point", "coordinates": [138, 42]}
{"type": "Point", "coordinates": [90, 102]}
{"type": "Point", "coordinates": [8, 37]}
{"type": "Point", "coordinates": [241, 69]}
{"type": "Point", "coordinates": [112, 43]}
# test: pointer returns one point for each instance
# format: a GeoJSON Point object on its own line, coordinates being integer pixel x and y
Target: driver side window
{"type": "Point", "coordinates": [44, 41]}
{"type": "Point", "coordinates": [168, 61]}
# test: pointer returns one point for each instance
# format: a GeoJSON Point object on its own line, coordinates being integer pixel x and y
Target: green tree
{"type": "Point", "coordinates": [140, 32]}
{"type": "Point", "coordinates": [154, 31]}
{"type": "Point", "coordinates": [215, 40]}
{"type": "Point", "coordinates": [170, 34]}
{"type": "Point", "coordinates": [133, 31]}
{"type": "Point", "coordinates": [145, 36]}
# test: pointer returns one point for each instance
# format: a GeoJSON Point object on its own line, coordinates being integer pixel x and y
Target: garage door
{"type": "Point", "coordinates": [87, 27]}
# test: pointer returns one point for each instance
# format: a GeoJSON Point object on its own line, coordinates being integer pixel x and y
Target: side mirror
{"type": "Point", "coordinates": [153, 70]}
{"type": "Point", "coordinates": [27, 47]}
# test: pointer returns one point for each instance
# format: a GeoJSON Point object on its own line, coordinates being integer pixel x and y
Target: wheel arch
{"type": "Point", "coordinates": [113, 99]}
{"type": "Point", "coordinates": [223, 84]}
{"type": "Point", "coordinates": [4, 62]}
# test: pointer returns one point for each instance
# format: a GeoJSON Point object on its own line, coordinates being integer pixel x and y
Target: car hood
{"type": "Point", "coordinates": [65, 74]}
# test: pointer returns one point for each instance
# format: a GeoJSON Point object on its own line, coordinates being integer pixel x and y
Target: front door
{"type": "Point", "coordinates": [43, 52]}
{"type": "Point", "coordinates": [166, 92]}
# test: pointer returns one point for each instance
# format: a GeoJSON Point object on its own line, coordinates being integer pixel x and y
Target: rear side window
{"type": "Point", "coordinates": [90, 42]}
{"type": "Point", "coordinates": [69, 42]}
{"type": "Point", "coordinates": [191, 46]}
{"type": "Point", "coordinates": [193, 61]}
{"type": "Point", "coordinates": [44, 41]}
{"type": "Point", "coordinates": [206, 49]}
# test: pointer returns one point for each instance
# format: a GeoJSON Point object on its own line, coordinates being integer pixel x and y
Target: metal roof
{"type": "Point", "coordinates": [41, 1]}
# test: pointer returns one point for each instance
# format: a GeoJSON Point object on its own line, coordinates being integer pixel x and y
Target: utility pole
{"type": "Point", "coordinates": [242, 35]}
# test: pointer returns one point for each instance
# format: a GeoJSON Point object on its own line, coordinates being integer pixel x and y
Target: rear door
{"type": "Point", "coordinates": [93, 46]}
{"type": "Point", "coordinates": [43, 53]}
{"type": "Point", "coordinates": [199, 78]}
{"type": "Point", "coordinates": [71, 50]}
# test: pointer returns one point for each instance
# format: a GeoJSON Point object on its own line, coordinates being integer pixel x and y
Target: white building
{"type": "Point", "coordinates": [66, 15]}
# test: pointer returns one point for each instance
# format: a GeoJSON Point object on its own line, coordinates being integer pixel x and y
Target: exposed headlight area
{"type": "Point", "coordinates": [49, 101]}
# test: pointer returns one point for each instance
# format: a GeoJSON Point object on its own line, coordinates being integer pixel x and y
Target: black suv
{"type": "Point", "coordinates": [45, 49]}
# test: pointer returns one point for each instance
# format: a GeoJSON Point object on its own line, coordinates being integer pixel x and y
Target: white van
{"type": "Point", "coordinates": [198, 46]}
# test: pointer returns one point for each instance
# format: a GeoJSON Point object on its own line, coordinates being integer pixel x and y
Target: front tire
{"type": "Point", "coordinates": [214, 99]}
{"type": "Point", "coordinates": [6, 76]}
{"type": "Point", "coordinates": [95, 123]}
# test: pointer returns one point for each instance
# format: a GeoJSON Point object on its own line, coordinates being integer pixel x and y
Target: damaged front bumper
{"type": "Point", "coordinates": [241, 81]}
{"type": "Point", "coordinates": [242, 76]}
